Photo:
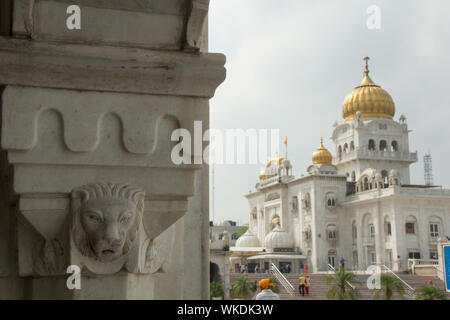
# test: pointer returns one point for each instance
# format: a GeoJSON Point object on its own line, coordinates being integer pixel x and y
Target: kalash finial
{"type": "Point", "coordinates": [366, 71]}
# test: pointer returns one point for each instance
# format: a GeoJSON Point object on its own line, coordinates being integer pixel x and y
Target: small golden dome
{"type": "Point", "coordinates": [275, 161]}
{"type": "Point", "coordinates": [368, 98]}
{"type": "Point", "coordinates": [271, 169]}
{"type": "Point", "coordinates": [322, 155]}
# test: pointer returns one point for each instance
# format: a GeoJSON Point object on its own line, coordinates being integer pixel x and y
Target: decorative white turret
{"type": "Point", "coordinates": [278, 239]}
{"type": "Point", "coordinates": [248, 239]}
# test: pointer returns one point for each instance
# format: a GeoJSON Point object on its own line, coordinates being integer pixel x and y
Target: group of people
{"type": "Point", "coordinates": [304, 284]}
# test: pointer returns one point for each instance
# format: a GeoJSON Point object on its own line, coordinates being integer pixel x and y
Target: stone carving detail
{"type": "Point", "coordinates": [294, 206]}
{"type": "Point", "coordinates": [106, 219]}
{"type": "Point", "coordinates": [272, 196]}
{"type": "Point", "coordinates": [274, 221]}
{"type": "Point", "coordinates": [306, 201]}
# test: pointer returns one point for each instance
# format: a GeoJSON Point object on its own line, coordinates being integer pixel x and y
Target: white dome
{"type": "Point", "coordinates": [278, 238]}
{"type": "Point", "coordinates": [248, 239]}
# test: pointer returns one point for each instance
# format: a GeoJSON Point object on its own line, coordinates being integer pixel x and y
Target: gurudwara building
{"type": "Point", "coordinates": [358, 204]}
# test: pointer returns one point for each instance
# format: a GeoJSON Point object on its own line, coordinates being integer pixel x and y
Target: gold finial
{"type": "Point", "coordinates": [321, 142]}
{"type": "Point", "coordinates": [366, 71]}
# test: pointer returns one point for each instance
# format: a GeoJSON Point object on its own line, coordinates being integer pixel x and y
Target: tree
{"type": "Point", "coordinates": [215, 289]}
{"type": "Point", "coordinates": [240, 231]}
{"type": "Point", "coordinates": [242, 288]}
{"type": "Point", "coordinates": [340, 289]}
{"type": "Point", "coordinates": [389, 286]}
{"type": "Point", "coordinates": [430, 292]}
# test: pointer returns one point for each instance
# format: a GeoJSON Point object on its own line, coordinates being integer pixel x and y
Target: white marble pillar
{"type": "Point", "coordinates": [87, 121]}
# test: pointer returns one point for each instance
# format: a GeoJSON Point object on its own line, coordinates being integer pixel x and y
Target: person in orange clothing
{"type": "Point", "coordinates": [266, 291]}
{"type": "Point", "coordinates": [307, 285]}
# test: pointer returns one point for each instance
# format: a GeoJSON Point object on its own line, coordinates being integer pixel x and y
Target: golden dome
{"type": "Point", "coordinates": [322, 155]}
{"type": "Point", "coordinates": [271, 169]}
{"type": "Point", "coordinates": [368, 98]}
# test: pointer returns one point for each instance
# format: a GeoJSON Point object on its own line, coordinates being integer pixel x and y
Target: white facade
{"type": "Point", "coordinates": [359, 205]}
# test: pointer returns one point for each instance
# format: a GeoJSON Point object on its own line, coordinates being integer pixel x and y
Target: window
{"type": "Point", "coordinates": [331, 235]}
{"type": "Point", "coordinates": [345, 147]}
{"type": "Point", "coordinates": [340, 152]}
{"type": "Point", "coordinates": [373, 257]}
{"type": "Point", "coordinates": [388, 229]}
{"type": "Point", "coordinates": [371, 231]}
{"type": "Point", "coordinates": [433, 255]}
{"type": "Point", "coordinates": [330, 199]}
{"type": "Point", "coordinates": [234, 236]}
{"type": "Point", "coordinates": [371, 144]}
{"type": "Point", "coordinates": [382, 126]}
{"type": "Point", "coordinates": [352, 146]}
{"type": "Point", "coordinates": [414, 254]}
{"type": "Point", "coordinates": [394, 146]}
{"type": "Point", "coordinates": [434, 230]}
{"type": "Point", "coordinates": [410, 226]}
{"type": "Point", "coordinates": [353, 176]}
{"type": "Point", "coordinates": [383, 145]}
{"type": "Point", "coordinates": [331, 232]}
{"type": "Point", "coordinates": [332, 258]}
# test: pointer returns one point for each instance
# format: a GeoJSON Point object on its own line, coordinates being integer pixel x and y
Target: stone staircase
{"type": "Point", "coordinates": [319, 287]}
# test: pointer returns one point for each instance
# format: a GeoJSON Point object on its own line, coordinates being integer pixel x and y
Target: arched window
{"type": "Point", "coordinates": [340, 152]}
{"type": "Point", "coordinates": [353, 176]}
{"type": "Point", "coordinates": [352, 146]}
{"type": "Point", "coordinates": [383, 145]}
{"type": "Point", "coordinates": [387, 226]}
{"type": "Point", "coordinates": [354, 232]}
{"type": "Point", "coordinates": [345, 147]}
{"type": "Point", "coordinates": [331, 232]}
{"type": "Point", "coordinates": [394, 146]}
{"type": "Point", "coordinates": [331, 199]}
{"type": "Point", "coordinates": [371, 144]}
{"type": "Point", "coordinates": [366, 184]}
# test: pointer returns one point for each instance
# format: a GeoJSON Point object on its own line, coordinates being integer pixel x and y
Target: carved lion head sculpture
{"type": "Point", "coordinates": [106, 219]}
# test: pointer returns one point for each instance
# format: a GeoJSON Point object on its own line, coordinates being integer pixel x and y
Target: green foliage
{"type": "Point", "coordinates": [276, 285]}
{"type": "Point", "coordinates": [390, 285]}
{"type": "Point", "coordinates": [240, 231]}
{"type": "Point", "coordinates": [340, 289]}
{"type": "Point", "coordinates": [430, 292]}
{"type": "Point", "coordinates": [216, 289]}
{"type": "Point", "coordinates": [242, 288]}
{"type": "Point", "coordinates": [226, 248]}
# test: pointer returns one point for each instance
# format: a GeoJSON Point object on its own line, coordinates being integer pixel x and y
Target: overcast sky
{"type": "Point", "coordinates": [290, 63]}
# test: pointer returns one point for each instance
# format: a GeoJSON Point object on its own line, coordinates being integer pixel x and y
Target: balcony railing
{"type": "Point", "coordinates": [376, 154]}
